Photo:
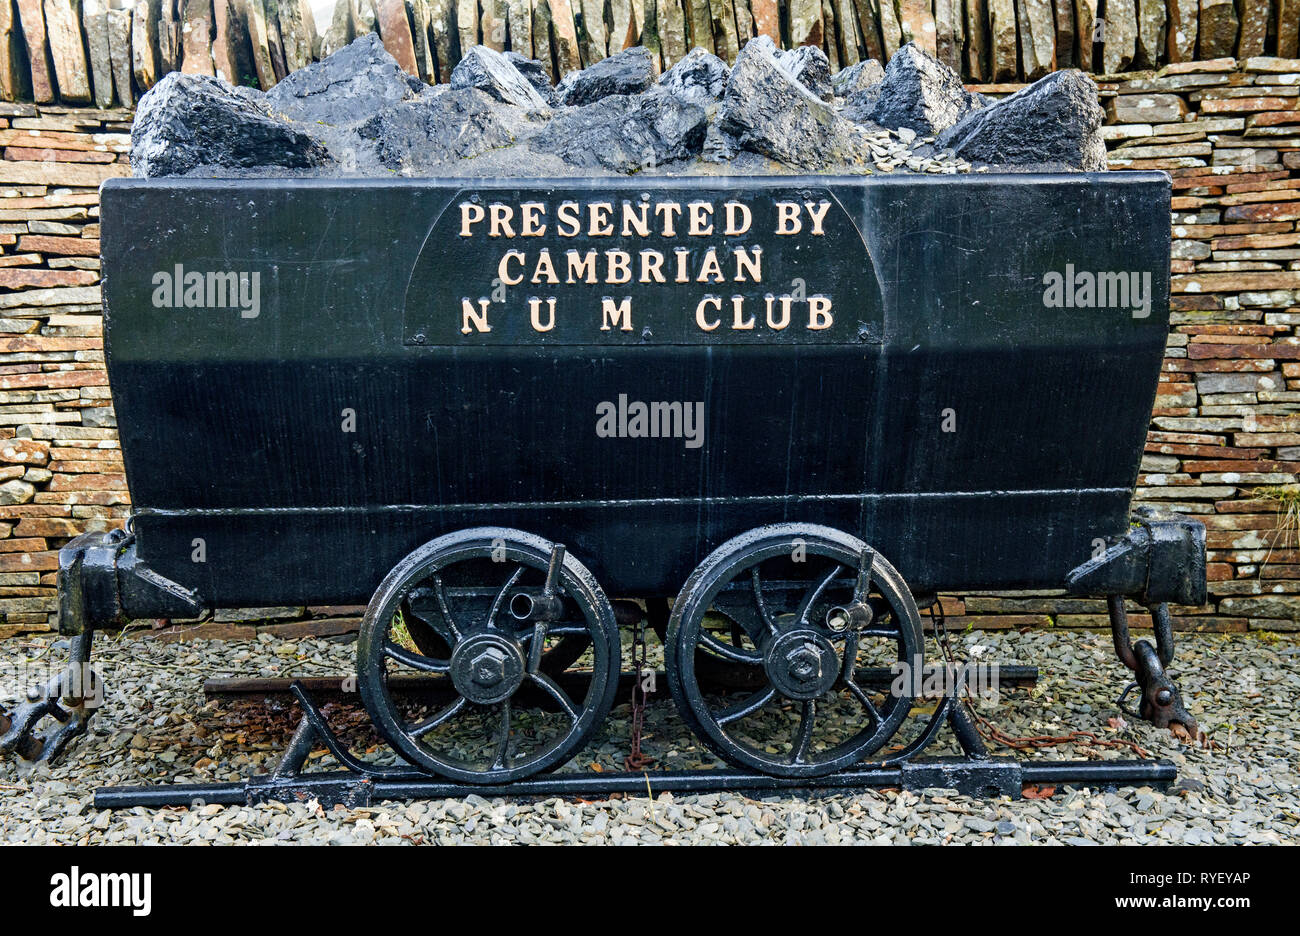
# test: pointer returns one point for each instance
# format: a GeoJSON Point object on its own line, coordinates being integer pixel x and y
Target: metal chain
{"type": "Point", "coordinates": [990, 732]}
{"type": "Point", "coordinates": [640, 687]}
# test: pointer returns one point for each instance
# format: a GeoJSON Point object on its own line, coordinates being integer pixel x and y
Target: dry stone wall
{"type": "Point", "coordinates": [60, 463]}
{"type": "Point", "coordinates": [1224, 443]}
{"type": "Point", "coordinates": [111, 51]}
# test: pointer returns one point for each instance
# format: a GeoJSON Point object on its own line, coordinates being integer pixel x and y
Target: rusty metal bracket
{"type": "Point", "coordinates": [1160, 701]}
{"type": "Point", "coordinates": [69, 699]}
{"type": "Point", "coordinates": [1161, 559]}
{"type": "Point", "coordinates": [103, 583]}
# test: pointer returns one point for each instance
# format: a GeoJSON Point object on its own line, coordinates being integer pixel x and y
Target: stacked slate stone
{"type": "Point", "coordinates": [79, 51]}
{"type": "Point", "coordinates": [358, 112]}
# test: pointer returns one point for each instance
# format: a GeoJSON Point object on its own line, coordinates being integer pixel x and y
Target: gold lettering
{"type": "Point", "coordinates": [567, 221]}
{"type": "Point", "coordinates": [500, 216]}
{"type": "Point", "coordinates": [738, 319]}
{"type": "Point", "coordinates": [598, 224]}
{"type": "Point", "coordinates": [545, 269]}
{"type": "Point", "coordinates": [503, 271]}
{"type": "Point", "coordinates": [610, 316]}
{"type": "Point", "coordinates": [632, 221]}
{"type": "Point", "coordinates": [701, 219]}
{"type": "Point", "coordinates": [578, 268]}
{"type": "Point", "coordinates": [787, 218]}
{"type": "Point", "coordinates": [713, 301]}
{"type": "Point", "coordinates": [530, 213]}
{"type": "Point", "coordinates": [753, 263]}
{"type": "Point", "coordinates": [738, 218]}
{"type": "Point", "coordinates": [618, 266]}
{"type": "Point", "coordinates": [711, 268]}
{"type": "Point", "coordinates": [683, 275]}
{"type": "Point", "coordinates": [535, 313]}
{"type": "Point", "coordinates": [469, 315]}
{"type": "Point", "coordinates": [667, 212]}
{"type": "Point", "coordinates": [652, 262]}
{"type": "Point", "coordinates": [784, 320]}
{"type": "Point", "coordinates": [470, 215]}
{"type": "Point", "coordinates": [819, 313]}
{"type": "Point", "coordinates": [818, 214]}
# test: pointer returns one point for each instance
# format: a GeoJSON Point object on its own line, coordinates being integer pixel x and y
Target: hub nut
{"type": "Point", "coordinates": [801, 664]}
{"type": "Point", "coordinates": [489, 667]}
{"type": "Point", "coordinates": [805, 663]}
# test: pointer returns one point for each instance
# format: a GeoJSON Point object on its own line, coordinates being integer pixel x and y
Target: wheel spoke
{"type": "Point", "coordinates": [556, 693]}
{"type": "Point", "coordinates": [857, 692]}
{"type": "Point", "coordinates": [448, 713]}
{"type": "Point", "coordinates": [878, 632]}
{"type": "Point", "coordinates": [501, 596]}
{"type": "Point", "coordinates": [727, 651]}
{"type": "Point", "coordinates": [815, 593]}
{"type": "Point", "coordinates": [804, 738]}
{"type": "Point", "coordinates": [503, 736]}
{"type": "Point", "coordinates": [426, 621]}
{"type": "Point", "coordinates": [557, 630]}
{"type": "Point", "coordinates": [763, 612]}
{"type": "Point", "coordinates": [445, 608]}
{"type": "Point", "coordinates": [415, 660]}
{"type": "Point", "coordinates": [747, 706]}
{"type": "Point", "coordinates": [537, 636]}
{"type": "Point", "coordinates": [849, 663]}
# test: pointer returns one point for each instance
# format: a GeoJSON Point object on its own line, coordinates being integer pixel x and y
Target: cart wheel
{"type": "Point", "coordinates": [811, 606]}
{"type": "Point", "coordinates": [492, 598]}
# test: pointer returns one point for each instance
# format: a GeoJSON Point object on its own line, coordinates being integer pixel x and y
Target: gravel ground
{"type": "Point", "coordinates": [156, 726]}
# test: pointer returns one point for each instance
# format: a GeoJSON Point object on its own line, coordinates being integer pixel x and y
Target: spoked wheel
{"type": "Point", "coordinates": [806, 607]}
{"type": "Point", "coordinates": [488, 600]}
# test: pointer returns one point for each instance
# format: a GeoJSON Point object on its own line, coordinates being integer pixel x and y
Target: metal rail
{"type": "Point", "coordinates": [996, 776]}
{"type": "Point", "coordinates": [358, 783]}
{"type": "Point", "coordinates": [1013, 676]}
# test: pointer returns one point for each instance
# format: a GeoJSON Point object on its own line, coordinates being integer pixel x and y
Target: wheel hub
{"type": "Point", "coordinates": [487, 668]}
{"type": "Point", "coordinates": [802, 664]}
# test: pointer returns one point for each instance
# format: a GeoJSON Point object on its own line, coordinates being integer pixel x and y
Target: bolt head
{"type": "Point", "coordinates": [488, 667]}
{"type": "Point", "coordinates": [805, 663]}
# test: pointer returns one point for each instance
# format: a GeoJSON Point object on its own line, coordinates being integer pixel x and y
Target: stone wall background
{"type": "Point", "coordinates": [111, 51]}
{"type": "Point", "coordinates": [1224, 443]}
{"type": "Point", "coordinates": [60, 465]}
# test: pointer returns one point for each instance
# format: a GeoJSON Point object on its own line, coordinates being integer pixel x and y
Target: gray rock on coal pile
{"type": "Point", "coordinates": [767, 112]}
{"type": "Point", "coordinates": [495, 75]}
{"type": "Point", "coordinates": [859, 77]}
{"type": "Point", "coordinates": [627, 133]}
{"type": "Point", "coordinates": [809, 66]}
{"type": "Point", "coordinates": [1054, 124]}
{"type": "Point", "coordinates": [441, 125]}
{"type": "Point", "coordinates": [188, 122]}
{"type": "Point", "coordinates": [534, 71]}
{"type": "Point", "coordinates": [921, 93]}
{"type": "Point", "coordinates": [629, 72]}
{"type": "Point", "coordinates": [700, 76]}
{"type": "Point", "coordinates": [860, 86]}
{"type": "Point", "coordinates": [345, 88]}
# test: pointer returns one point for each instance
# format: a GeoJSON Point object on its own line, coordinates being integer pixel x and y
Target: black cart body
{"type": "Point", "coordinates": [975, 429]}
